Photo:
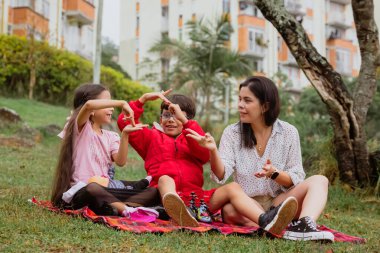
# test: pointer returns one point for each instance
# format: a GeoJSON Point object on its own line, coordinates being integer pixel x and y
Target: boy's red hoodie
{"type": "Point", "coordinates": [181, 158]}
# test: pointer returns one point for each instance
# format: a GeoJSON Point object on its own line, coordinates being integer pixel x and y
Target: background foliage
{"type": "Point", "coordinates": [58, 73]}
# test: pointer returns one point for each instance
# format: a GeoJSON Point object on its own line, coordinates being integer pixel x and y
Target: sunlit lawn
{"type": "Point", "coordinates": [27, 172]}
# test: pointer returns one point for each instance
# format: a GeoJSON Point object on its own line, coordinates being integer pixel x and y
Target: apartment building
{"type": "Point", "coordinates": [4, 7]}
{"type": "Point", "coordinates": [65, 24]}
{"type": "Point", "coordinates": [329, 24]}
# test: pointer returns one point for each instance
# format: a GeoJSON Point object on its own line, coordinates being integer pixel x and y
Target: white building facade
{"type": "Point", "coordinates": [63, 23]}
{"type": "Point", "coordinates": [329, 24]}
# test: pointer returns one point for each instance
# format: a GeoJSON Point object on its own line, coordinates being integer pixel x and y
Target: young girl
{"type": "Point", "coordinates": [88, 153]}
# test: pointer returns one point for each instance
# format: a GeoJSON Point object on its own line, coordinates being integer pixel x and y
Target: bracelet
{"type": "Point", "coordinates": [274, 174]}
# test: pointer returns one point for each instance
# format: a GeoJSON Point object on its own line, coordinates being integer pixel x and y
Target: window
{"type": "Point", "coordinates": [193, 17]}
{"type": "Point", "coordinates": [180, 34]}
{"type": "Point", "coordinates": [255, 37]}
{"type": "Point", "coordinates": [343, 61]}
{"type": "Point", "coordinates": [336, 13]}
{"type": "Point", "coordinates": [180, 21]}
{"type": "Point", "coordinates": [165, 11]}
{"type": "Point", "coordinates": [226, 6]}
{"type": "Point", "coordinates": [279, 44]}
{"type": "Point", "coordinates": [308, 25]}
{"type": "Point", "coordinates": [9, 29]}
{"type": "Point", "coordinates": [258, 65]}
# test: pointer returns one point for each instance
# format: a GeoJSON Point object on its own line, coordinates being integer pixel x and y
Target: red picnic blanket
{"type": "Point", "coordinates": [161, 226]}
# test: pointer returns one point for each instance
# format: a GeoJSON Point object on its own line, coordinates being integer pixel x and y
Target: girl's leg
{"type": "Point", "coordinates": [99, 198]}
{"type": "Point", "coordinates": [311, 195]}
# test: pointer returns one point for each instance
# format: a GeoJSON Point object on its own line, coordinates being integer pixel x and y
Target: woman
{"type": "Point", "coordinates": [263, 153]}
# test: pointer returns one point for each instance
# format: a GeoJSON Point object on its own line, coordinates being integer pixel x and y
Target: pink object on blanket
{"type": "Point", "coordinates": [161, 226]}
{"type": "Point", "coordinates": [141, 214]}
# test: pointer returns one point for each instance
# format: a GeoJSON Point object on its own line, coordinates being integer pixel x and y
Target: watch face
{"type": "Point", "coordinates": [274, 175]}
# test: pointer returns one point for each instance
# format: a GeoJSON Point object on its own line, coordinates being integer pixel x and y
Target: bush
{"type": "Point", "coordinates": [58, 73]}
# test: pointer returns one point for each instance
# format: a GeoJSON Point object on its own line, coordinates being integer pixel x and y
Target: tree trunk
{"type": "Point", "coordinates": [347, 115]}
{"type": "Point", "coordinates": [32, 80]}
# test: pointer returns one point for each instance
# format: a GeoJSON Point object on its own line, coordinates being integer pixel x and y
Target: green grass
{"type": "Point", "coordinates": [27, 172]}
{"type": "Point", "coordinates": [35, 113]}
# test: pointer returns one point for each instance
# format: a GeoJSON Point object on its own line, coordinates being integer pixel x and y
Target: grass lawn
{"type": "Point", "coordinates": [27, 172]}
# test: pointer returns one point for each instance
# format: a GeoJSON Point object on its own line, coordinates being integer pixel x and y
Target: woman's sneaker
{"type": "Point", "coordinates": [177, 210]}
{"type": "Point", "coordinates": [277, 219]}
{"type": "Point", "coordinates": [305, 229]}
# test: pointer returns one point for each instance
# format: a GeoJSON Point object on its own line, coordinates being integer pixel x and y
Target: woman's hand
{"type": "Point", "coordinates": [155, 95]}
{"type": "Point", "coordinates": [206, 141]}
{"type": "Point", "coordinates": [128, 113]}
{"type": "Point", "coordinates": [267, 170]}
{"type": "Point", "coordinates": [129, 128]}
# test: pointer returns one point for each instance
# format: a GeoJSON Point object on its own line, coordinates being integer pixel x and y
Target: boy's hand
{"type": "Point", "coordinates": [129, 128]}
{"type": "Point", "coordinates": [206, 141]}
{"type": "Point", "coordinates": [155, 95]}
{"type": "Point", "coordinates": [128, 113]}
{"type": "Point", "coordinates": [177, 112]}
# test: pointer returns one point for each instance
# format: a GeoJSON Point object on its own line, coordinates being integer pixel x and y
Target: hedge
{"type": "Point", "coordinates": [58, 73]}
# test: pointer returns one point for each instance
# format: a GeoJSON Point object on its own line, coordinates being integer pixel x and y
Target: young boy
{"type": "Point", "coordinates": [170, 155]}
{"type": "Point", "coordinates": [175, 161]}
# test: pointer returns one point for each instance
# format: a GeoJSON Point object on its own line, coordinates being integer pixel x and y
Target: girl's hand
{"type": "Point", "coordinates": [266, 171]}
{"type": "Point", "coordinates": [129, 128]}
{"type": "Point", "coordinates": [155, 95]}
{"type": "Point", "coordinates": [128, 113]}
{"type": "Point", "coordinates": [177, 112]}
{"type": "Point", "coordinates": [206, 141]}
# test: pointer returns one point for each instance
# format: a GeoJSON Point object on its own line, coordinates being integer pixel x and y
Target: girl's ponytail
{"type": "Point", "coordinates": [64, 169]}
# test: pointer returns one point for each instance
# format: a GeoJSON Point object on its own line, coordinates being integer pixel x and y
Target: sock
{"type": "Point", "coordinates": [127, 211]}
{"type": "Point", "coordinates": [149, 178]}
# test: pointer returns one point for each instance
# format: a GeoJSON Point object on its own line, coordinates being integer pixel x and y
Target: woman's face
{"type": "Point", "coordinates": [249, 107]}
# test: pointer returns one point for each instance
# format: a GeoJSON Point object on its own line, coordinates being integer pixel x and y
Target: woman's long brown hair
{"type": "Point", "coordinates": [64, 170]}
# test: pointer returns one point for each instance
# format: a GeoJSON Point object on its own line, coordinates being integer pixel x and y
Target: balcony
{"type": "Point", "coordinates": [295, 7]}
{"type": "Point", "coordinates": [341, 1]}
{"type": "Point", "coordinates": [255, 51]}
{"type": "Point", "coordinates": [80, 10]}
{"type": "Point", "coordinates": [338, 21]}
{"type": "Point", "coordinates": [27, 19]}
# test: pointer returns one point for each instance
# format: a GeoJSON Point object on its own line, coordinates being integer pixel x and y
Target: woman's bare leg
{"type": "Point", "coordinates": [311, 195]}
{"type": "Point", "coordinates": [233, 194]}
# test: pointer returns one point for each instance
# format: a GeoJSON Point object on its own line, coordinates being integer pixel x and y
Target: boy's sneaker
{"type": "Point", "coordinates": [275, 220]}
{"type": "Point", "coordinates": [177, 210]}
{"type": "Point", "coordinates": [305, 229]}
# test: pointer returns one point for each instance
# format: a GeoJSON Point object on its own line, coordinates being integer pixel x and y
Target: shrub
{"type": "Point", "coordinates": [58, 73]}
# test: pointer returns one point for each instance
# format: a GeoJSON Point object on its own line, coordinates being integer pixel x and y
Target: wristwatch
{"type": "Point", "coordinates": [275, 174]}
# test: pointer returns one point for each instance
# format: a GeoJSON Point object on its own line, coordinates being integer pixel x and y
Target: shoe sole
{"type": "Point", "coordinates": [284, 216]}
{"type": "Point", "coordinates": [176, 209]}
{"type": "Point", "coordinates": [311, 236]}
